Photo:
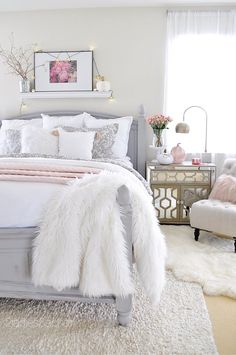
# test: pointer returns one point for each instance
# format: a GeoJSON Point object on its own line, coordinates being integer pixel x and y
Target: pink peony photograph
{"type": "Point", "coordinates": [63, 71]}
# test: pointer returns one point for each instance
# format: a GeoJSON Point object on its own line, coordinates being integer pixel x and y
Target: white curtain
{"type": "Point", "coordinates": [201, 70]}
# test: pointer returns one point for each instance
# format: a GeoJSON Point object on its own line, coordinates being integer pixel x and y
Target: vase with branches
{"type": "Point", "coordinates": [19, 62]}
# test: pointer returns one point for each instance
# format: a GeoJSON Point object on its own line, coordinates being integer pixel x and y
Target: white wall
{"type": "Point", "coordinates": [129, 50]}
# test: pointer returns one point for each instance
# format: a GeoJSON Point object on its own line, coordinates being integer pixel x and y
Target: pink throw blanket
{"type": "Point", "coordinates": [57, 174]}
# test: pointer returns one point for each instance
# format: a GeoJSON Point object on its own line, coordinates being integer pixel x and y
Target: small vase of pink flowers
{"type": "Point", "coordinates": [158, 123]}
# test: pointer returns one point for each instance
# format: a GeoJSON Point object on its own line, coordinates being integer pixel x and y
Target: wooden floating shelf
{"type": "Point", "coordinates": [66, 95]}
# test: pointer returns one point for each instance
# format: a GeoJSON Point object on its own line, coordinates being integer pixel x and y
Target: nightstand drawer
{"type": "Point", "coordinates": [180, 177]}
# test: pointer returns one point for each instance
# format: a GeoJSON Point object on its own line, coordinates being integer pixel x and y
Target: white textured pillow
{"type": "Point", "coordinates": [10, 141]}
{"type": "Point", "coordinates": [10, 134]}
{"type": "Point", "coordinates": [120, 146]}
{"type": "Point", "coordinates": [50, 122]}
{"type": "Point", "coordinates": [76, 145]}
{"type": "Point", "coordinates": [19, 124]}
{"type": "Point", "coordinates": [38, 141]}
{"type": "Point", "coordinates": [103, 140]}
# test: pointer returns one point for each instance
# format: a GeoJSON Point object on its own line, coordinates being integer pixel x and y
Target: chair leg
{"type": "Point", "coordinates": [234, 244]}
{"type": "Point", "coordinates": [196, 233]}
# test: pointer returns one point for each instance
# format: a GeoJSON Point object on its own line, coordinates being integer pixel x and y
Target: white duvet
{"type": "Point", "coordinates": [22, 203]}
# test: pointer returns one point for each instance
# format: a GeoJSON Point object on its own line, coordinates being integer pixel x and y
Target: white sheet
{"type": "Point", "coordinates": [22, 203]}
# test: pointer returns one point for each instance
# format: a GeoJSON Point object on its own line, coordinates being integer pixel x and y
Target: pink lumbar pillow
{"type": "Point", "coordinates": [224, 189]}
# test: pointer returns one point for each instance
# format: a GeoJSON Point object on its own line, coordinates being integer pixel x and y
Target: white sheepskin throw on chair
{"type": "Point", "coordinates": [81, 241]}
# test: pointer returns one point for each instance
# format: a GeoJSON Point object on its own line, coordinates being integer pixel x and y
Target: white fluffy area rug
{"type": "Point", "coordinates": [211, 261]}
{"type": "Point", "coordinates": [180, 325]}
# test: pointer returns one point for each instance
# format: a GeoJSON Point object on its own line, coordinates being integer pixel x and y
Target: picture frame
{"type": "Point", "coordinates": [63, 71]}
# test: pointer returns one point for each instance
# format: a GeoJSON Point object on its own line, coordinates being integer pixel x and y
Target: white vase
{"type": "Point", "coordinates": [103, 85]}
{"type": "Point", "coordinates": [24, 85]}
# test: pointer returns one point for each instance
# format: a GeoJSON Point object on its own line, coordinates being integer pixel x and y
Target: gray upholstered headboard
{"type": "Point", "coordinates": [136, 149]}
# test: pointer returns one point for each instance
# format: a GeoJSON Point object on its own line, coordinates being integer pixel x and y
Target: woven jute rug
{"type": "Point", "coordinates": [180, 325]}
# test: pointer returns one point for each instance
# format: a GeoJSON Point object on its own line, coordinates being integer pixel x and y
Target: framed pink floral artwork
{"type": "Point", "coordinates": [63, 71]}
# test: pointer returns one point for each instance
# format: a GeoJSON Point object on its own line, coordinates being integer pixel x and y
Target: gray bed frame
{"type": "Point", "coordinates": [16, 243]}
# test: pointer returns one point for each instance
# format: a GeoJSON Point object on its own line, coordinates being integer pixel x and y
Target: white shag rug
{"type": "Point", "coordinates": [211, 261]}
{"type": "Point", "coordinates": [180, 325]}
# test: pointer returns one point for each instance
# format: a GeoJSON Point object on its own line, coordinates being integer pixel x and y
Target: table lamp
{"type": "Point", "coordinates": [183, 127]}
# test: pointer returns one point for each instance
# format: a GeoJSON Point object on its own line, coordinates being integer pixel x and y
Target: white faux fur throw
{"type": "Point", "coordinates": [81, 241]}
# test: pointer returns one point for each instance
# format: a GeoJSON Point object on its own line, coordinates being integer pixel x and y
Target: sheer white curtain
{"type": "Point", "coordinates": [201, 70]}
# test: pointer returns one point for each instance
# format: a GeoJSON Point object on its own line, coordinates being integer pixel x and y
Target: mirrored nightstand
{"type": "Point", "coordinates": [176, 187]}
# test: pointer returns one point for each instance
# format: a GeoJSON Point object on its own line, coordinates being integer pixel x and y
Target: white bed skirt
{"type": "Point", "coordinates": [22, 203]}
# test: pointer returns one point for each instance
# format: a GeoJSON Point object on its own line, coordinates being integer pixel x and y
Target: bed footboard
{"type": "Point", "coordinates": [16, 259]}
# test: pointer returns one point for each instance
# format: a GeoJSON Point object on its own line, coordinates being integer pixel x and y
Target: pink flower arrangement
{"type": "Point", "coordinates": [63, 71]}
{"type": "Point", "coordinates": [159, 121]}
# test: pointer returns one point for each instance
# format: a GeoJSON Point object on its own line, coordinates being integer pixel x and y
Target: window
{"type": "Point", "coordinates": [201, 70]}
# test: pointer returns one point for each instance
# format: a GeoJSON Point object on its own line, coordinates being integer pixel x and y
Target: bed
{"type": "Point", "coordinates": [16, 242]}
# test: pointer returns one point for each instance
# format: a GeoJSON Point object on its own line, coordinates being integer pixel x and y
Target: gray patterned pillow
{"type": "Point", "coordinates": [10, 141]}
{"type": "Point", "coordinates": [103, 141]}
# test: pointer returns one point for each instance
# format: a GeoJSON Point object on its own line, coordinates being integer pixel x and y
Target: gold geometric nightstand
{"type": "Point", "coordinates": [176, 187]}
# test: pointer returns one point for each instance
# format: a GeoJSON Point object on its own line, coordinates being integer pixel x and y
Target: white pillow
{"type": "Point", "coordinates": [50, 122]}
{"type": "Point", "coordinates": [10, 141]}
{"type": "Point", "coordinates": [19, 124]}
{"type": "Point", "coordinates": [76, 145]}
{"type": "Point", "coordinates": [7, 145]}
{"type": "Point", "coordinates": [120, 146]}
{"type": "Point", "coordinates": [38, 141]}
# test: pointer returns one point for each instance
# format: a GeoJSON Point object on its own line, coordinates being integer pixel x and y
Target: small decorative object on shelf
{"type": "Point", "coordinates": [158, 123]}
{"type": "Point", "coordinates": [102, 84]}
{"type": "Point", "coordinates": [178, 154]}
{"type": "Point", "coordinates": [19, 63]}
{"type": "Point", "coordinates": [24, 86]}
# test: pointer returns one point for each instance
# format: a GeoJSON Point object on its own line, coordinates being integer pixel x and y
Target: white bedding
{"type": "Point", "coordinates": [22, 203]}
